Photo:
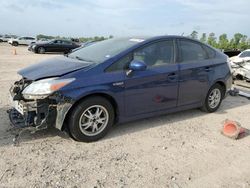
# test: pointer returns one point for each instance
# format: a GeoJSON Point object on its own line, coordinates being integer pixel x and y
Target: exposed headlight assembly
{"type": "Point", "coordinates": [42, 88]}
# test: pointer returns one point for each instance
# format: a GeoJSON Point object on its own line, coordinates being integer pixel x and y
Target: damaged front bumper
{"type": "Point", "coordinates": [241, 70]}
{"type": "Point", "coordinates": [38, 113]}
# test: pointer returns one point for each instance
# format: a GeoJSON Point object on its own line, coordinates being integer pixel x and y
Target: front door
{"type": "Point", "coordinates": [155, 88]}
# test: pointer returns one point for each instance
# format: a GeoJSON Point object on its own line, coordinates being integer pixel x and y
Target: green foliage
{"type": "Point", "coordinates": [41, 36]}
{"type": "Point", "coordinates": [203, 37]}
{"type": "Point", "coordinates": [223, 42]}
{"type": "Point", "coordinates": [81, 39]}
{"type": "Point", "coordinates": [194, 35]}
{"type": "Point", "coordinates": [211, 40]}
{"type": "Point", "coordinates": [239, 41]}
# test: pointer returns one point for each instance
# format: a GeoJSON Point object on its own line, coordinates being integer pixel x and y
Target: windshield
{"type": "Point", "coordinates": [245, 54]}
{"type": "Point", "coordinates": [101, 51]}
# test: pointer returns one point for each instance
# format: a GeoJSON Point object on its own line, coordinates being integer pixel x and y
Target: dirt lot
{"type": "Point", "coordinates": [184, 149]}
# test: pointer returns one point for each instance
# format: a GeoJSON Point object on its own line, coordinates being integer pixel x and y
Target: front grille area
{"type": "Point", "coordinates": [18, 87]}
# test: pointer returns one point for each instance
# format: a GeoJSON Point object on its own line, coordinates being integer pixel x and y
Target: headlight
{"type": "Point", "coordinates": [33, 46]}
{"type": "Point", "coordinates": [42, 88]}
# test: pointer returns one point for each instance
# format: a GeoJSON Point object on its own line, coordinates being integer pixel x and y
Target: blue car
{"type": "Point", "coordinates": [118, 80]}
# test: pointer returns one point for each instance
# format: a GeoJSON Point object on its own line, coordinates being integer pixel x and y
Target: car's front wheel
{"type": "Point", "coordinates": [41, 50]}
{"type": "Point", "coordinates": [91, 119]}
{"type": "Point", "coordinates": [14, 43]}
{"type": "Point", "coordinates": [213, 98]}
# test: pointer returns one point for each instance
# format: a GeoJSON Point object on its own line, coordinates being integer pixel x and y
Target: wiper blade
{"type": "Point", "coordinates": [82, 59]}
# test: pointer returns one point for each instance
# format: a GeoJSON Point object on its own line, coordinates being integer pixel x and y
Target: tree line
{"type": "Point", "coordinates": [237, 42]}
{"type": "Point", "coordinates": [81, 39]}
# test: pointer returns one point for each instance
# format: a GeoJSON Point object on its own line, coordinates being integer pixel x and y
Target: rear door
{"type": "Point", "coordinates": [196, 69]}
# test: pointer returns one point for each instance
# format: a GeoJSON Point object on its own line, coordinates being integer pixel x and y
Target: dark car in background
{"type": "Point", "coordinates": [57, 45]}
{"type": "Point", "coordinates": [120, 80]}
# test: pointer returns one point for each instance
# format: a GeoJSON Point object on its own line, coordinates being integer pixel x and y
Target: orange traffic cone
{"type": "Point", "coordinates": [14, 51]}
{"type": "Point", "coordinates": [232, 129]}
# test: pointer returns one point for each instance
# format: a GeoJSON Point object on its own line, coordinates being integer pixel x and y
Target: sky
{"type": "Point", "coordinates": [88, 18]}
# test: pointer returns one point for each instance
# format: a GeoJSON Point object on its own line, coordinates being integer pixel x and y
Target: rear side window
{"type": "Point", "coordinates": [210, 52]}
{"type": "Point", "coordinates": [191, 51]}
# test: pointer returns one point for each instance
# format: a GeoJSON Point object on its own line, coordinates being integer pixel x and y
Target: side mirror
{"type": "Point", "coordinates": [136, 65]}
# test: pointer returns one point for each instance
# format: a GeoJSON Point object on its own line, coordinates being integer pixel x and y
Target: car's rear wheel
{"type": "Point", "coordinates": [91, 119]}
{"type": "Point", "coordinates": [15, 43]}
{"type": "Point", "coordinates": [214, 98]}
{"type": "Point", "coordinates": [41, 50]}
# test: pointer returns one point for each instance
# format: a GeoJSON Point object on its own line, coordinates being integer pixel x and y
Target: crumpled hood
{"type": "Point", "coordinates": [237, 59]}
{"type": "Point", "coordinates": [53, 67]}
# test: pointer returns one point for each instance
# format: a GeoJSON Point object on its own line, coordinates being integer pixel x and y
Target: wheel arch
{"type": "Point", "coordinates": [222, 84]}
{"type": "Point", "coordinates": [108, 97]}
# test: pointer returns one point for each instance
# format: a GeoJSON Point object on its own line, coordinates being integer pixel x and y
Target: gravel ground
{"type": "Point", "coordinates": [183, 149]}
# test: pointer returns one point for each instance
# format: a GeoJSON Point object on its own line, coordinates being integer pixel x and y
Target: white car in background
{"type": "Point", "coordinates": [22, 41]}
{"type": "Point", "coordinates": [5, 38]}
{"type": "Point", "coordinates": [243, 56]}
{"type": "Point", "coordinates": [241, 65]}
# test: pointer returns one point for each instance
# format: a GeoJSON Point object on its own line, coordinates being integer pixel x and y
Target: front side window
{"type": "Point", "coordinates": [153, 55]}
{"type": "Point", "coordinates": [157, 54]}
{"type": "Point", "coordinates": [191, 51]}
{"type": "Point", "coordinates": [121, 64]}
{"type": "Point", "coordinates": [58, 42]}
{"type": "Point", "coordinates": [66, 42]}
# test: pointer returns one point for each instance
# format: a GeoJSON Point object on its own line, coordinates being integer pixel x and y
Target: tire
{"type": "Point", "coordinates": [14, 43]}
{"type": "Point", "coordinates": [83, 119]}
{"type": "Point", "coordinates": [65, 52]}
{"type": "Point", "coordinates": [213, 99]}
{"type": "Point", "coordinates": [41, 50]}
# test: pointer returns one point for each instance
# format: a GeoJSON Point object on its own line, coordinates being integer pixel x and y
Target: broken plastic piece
{"type": "Point", "coordinates": [237, 92]}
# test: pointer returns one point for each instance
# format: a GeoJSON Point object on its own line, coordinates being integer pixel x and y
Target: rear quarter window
{"type": "Point", "coordinates": [210, 52]}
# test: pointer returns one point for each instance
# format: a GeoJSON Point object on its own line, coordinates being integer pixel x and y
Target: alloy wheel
{"type": "Point", "coordinates": [93, 120]}
{"type": "Point", "coordinates": [214, 98]}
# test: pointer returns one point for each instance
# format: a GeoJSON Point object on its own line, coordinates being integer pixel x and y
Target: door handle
{"type": "Point", "coordinates": [172, 76]}
{"type": "Point", "coordinates": [208, 69]}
